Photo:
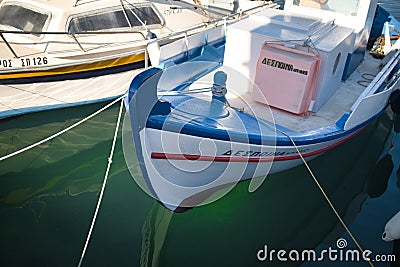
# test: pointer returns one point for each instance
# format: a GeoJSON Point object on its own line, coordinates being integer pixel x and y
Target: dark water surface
{"type": "Point", "coordinates": [48, 197]}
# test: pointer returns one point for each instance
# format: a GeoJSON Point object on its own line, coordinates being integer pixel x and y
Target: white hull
{"type": "Point", "coordinates": [27, 98]}
{"type": "Point", "coordinates": [190, 169]}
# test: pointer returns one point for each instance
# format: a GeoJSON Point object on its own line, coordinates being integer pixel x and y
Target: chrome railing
{"type": "Point", "coordinates": [210, 24]}
{"type": "Point", "coordinates": [223, 21]}
{"type": "Point", "coordinates": [72, 35]}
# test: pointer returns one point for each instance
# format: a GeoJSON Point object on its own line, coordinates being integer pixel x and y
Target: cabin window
{"type": "Point", "coordinates": [104, 20]}
{"type": "Point", "coordinates": [336, 64]}
{"type": "Point", "coordinates": [22, 18]}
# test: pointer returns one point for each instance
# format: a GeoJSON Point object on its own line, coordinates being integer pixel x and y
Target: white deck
{"type": "Point", "coordinates": [340, 103]}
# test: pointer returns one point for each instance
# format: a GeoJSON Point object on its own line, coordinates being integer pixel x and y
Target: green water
{"type": "Point", "coordinates": [48, 197]}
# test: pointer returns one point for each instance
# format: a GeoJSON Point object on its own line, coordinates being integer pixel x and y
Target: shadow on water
{"type": "Point", "coordinates": [48, 196]}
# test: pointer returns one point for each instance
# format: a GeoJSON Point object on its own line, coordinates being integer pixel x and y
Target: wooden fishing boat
{"type": "Point", "coordinates": [258, 97]}
{"type": "Point", "coordinates": [61, 53]}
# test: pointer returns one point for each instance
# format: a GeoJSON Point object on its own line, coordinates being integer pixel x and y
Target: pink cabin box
{"type": "Point", "coordinates": [285, 78]}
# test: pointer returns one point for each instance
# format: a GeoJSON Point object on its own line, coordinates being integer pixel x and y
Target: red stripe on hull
{"type": "Point", "coordinates": [172, 156]}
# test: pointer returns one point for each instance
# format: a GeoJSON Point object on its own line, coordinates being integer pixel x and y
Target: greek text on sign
{"type": "Point", "coordinates": [282, 65]}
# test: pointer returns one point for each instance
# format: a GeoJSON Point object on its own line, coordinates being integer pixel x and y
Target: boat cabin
{"type": "Point", "coordinates": [297, 55]}
{"type": "Point", "coordinates": [66, 27]}
{"type": "Point", "coordinates": [355, 14]}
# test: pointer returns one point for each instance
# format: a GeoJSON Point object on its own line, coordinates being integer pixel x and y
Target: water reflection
{"type": "Point", "coordinates": [380, 176]}
{"type": "Point", "coordinates": [385, 166]}
{"type": "Point", "coordinates": [396, 252]}
{"type": "Point", "coordinates": [397, 131]}
{"type": "Point", "coordinates": [48, 195]}
{"type": "Point", "coordinates": [64, 165]}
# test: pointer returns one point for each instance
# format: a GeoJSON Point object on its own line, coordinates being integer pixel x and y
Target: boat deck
{"type": "Point", "coordinates": [18, 99]}
{"type": "Point", "coordinates": [339, 104]}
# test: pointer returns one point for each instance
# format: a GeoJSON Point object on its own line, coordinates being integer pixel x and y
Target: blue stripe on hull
{"type": "Point", "coordinates": [210, 128]}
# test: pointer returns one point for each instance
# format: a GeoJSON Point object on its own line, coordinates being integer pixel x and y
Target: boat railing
{"type": "Point", "coordinates": [77, 1]}
{"type": "Point", "coordinates": [205, 9]}
{"type": "Point", "coordinates": [72, 35]}
{"type": "Point", "coordinates": [133, 13]}
{"type": "Point", "coordinates": [375, 96]}
{"type": "Point", "coordinates": [212, 23]}
{"type": "Point", "coordinates": [379, 79]}
{"type": "Point", "coordinates": [222, 21]}
{"type": "Point", "coordinates": [123, 3]}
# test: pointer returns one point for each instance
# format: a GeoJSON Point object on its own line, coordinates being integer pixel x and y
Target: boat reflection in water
{"type": "Point", "coordinates": [37, 172]}
{"type": "Point", "coordinates": [48, 195]}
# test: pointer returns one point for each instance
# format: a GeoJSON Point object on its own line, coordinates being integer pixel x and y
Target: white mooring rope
{"type": "Point", "coordinates": [104, 185]}
{"type": "Point", "coordinates": [61, 132]}
{"type": "Point", "coordinates": [268, 124]}
{"type": "Point", "coordinates": [329, 201]}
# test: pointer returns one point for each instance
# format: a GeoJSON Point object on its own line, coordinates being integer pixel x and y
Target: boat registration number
{"type": "Point", "coordinates": [172, 11]}
{"type": "Point", "coordinates": [33, 61]}
{"type": "Point", "coordinates": [6, 63]}
{"type": "Point", "coordinates": [23, 62]}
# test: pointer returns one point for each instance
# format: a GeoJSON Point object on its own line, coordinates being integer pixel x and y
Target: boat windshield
{"type": "Point", "coordinates": [22, 18]}
{"type": "Point", "coordinates": [139, 17]}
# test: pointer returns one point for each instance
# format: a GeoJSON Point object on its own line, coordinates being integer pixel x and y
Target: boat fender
{"type": "Point", "coordinates": [392, 229]}
{"type": "Point", "coordinates": [153, 48]}
{"type": "Point", "coordinates": [394, 101]}
{"type": "Point", "coordinates": [154, 51]}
